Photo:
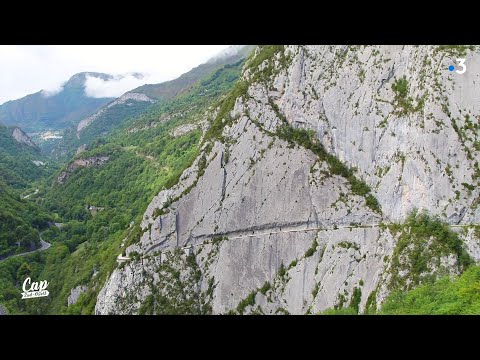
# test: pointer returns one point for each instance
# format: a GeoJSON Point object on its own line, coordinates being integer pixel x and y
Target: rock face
{"type": "Point", "coordinates": [411, 158]}
{"type": "Point", "coordinates": [183, 129]}
{"type": "Point", "coordinates": [22, 138]}
{"type": "Point", "coordinates": [75, 294]}
{"type": "Point", "coordinates": [87, 162]}
{"type": "Point", "coordinates": [269, 224]}
{"type": "Point", "coordinates": [130, 96]}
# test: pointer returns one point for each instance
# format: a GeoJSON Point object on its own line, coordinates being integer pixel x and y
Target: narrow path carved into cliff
{"type": "Point", "coordinates": [268, 231]}
{"type": "Point", "coordinates": [303, 229]}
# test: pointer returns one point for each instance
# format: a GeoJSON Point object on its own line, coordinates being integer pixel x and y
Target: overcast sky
{"type": "Point", "coordinates": [27, 69]}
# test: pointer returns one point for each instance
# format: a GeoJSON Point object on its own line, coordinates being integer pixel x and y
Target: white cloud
{"type": "Point", "coordinates": [98, 88]}
{"type": "Point", "coordinates": [229, 51]}
{"type": "Point", "coordinates": [52, 89]}
{"type": "Point", "coordinates": [28, 69]}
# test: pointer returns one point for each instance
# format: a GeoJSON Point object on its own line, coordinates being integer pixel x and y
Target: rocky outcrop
{"type": "Point", "coordinates": [23, 138]}
{"type": "Point", "coordinates": [125, 98]}
{"type": "Point", "coordinates": [75, 294]}
{"type": "Point", "coordinates": [183, 129]}
{"type": "Point", "coordinates": [162, 119]}
{"type": "Point", "coordinates": [87, 162]}
{"type": "Point", "coordinates": [270, 224]}
{"type": "Point", "coordinates": [81, 149]}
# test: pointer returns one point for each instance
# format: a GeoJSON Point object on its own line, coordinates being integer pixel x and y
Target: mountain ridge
{"type": "Point", "coordinates": [42, 111]}
{"type": "Point", "coordinates": [169, 89]}
{"type": "Point", "coordinates": [137, 101]}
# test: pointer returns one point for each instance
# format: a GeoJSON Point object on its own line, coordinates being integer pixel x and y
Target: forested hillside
{"type": "Point", "coordinates": [20, 219]}
{"type": "Point", "coordinates": [143, 155]}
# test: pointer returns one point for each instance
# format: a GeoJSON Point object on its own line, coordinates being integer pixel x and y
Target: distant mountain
{"type": "Point", "coordinates": [139, 100]}
{"type": "Point", "coordinates": [169, 89]}
{"type": "Point", "coordinates": [39, 112]}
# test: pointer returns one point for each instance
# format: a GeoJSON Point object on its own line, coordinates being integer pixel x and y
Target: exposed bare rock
{"type": "Point", "coordinates": [22, 138]}
{"type": "Point", "coordinates": [75, 294]}
{"type": "Point", "coordinates": [81, 149]}
{"type": "Point", "coordinates": [87, 162]}
{"type": "Point", "coordinates": [183, 129]}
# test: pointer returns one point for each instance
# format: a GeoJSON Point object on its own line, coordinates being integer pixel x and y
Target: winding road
{"type": "Point", "coordinates": [44, 246]}
{"type": "Point", "coordinates": [34, 193]}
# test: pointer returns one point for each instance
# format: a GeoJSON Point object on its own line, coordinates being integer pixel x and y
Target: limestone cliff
{"type": "Point", "coordinates": [23, 138]}
{"type": "Point", "coordinates": [313, 152]}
